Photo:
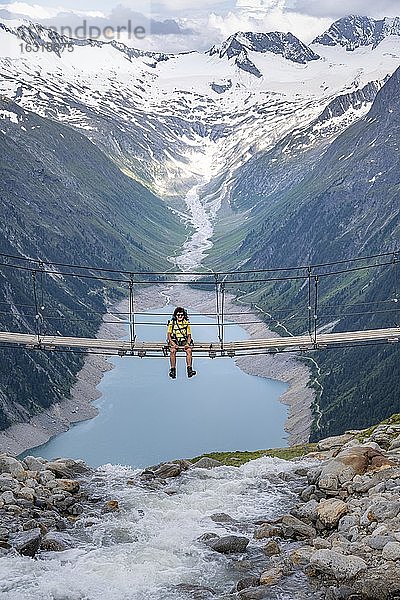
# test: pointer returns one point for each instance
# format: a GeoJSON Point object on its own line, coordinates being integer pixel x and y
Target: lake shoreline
{"type": "Point", "coordinates": [79, 407]}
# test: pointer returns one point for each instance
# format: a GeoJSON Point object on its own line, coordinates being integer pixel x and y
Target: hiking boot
{"type": "Point", "coordinates": [190, 372]}
{"type": "Point", "coordinates": [172, 373]}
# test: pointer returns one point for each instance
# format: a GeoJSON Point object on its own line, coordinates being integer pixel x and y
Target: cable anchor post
{"type": "Point", "coordinates": [218, 308]}
{"type": "Point", "coordinates": [316, 280]}
{"type": "Point", "coordinates": [132, 333]}
{"type": "Point", "coordinates": [37, 312]}
{"type": "Point", "coordinates": [395, 262]}
{"type": "Point", "coordinates": [309, 270]}
{"type": "Point", "coordinates": [222, 289]}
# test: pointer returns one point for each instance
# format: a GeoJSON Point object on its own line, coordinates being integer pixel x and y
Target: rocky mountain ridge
{"type": "Point", "coordinates": [354, 32]}
{"type": "Point", "coordinates": [283, 44]}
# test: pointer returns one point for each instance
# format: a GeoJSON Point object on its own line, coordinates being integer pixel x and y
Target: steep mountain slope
{"type": "Point", "coordinates": [347, 206]}
{"type": "Point", "coordinates": [354, 32]}
{"type": "Point", "coordinates": [179, 121]}
{"type": "Point", "coordinates": [62, 200]}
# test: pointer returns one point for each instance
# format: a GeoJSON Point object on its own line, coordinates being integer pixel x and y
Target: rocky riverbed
{"type": "Point", "coordinates": [340, 537]}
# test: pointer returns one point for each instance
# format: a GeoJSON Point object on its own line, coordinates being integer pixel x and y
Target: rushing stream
{"type": "Point", "coordinates": [149, 550]}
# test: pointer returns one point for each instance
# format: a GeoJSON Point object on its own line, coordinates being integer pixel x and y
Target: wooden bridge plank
{"type": "Point", "coordinates": [252, 345]}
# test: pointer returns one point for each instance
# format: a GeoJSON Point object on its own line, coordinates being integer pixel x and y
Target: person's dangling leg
{"type": "Point", "coordinates": [172, 358]}
{"type": "Point", "coordinates": [189, 359]}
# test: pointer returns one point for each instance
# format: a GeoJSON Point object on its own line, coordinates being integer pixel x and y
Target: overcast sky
{"type": "Point", "coordinates": [178, 25]}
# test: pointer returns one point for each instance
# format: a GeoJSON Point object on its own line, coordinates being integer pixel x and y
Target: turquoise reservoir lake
{"type": "Point", "coordinates": [146, 418]}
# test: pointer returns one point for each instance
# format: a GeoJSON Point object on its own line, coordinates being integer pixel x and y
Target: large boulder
{"type": "Point", "coordinates": [26, 542]}
{"type": "Point", "coordinates": [267, 530]}
{"type": "Point", "coordinates": [168, 470]}
{"type": "Point", "coordinates": [295, 529]}
{"type": "Point", "coordinates": [391, 551]}
{"type": "Point", "coordinates": [229, 544]}
{"type": "Point", "coordinates": [34, 464]}
{"type": "Point", "coordinates": [330, 512]}
{"type": "Point", "coordinates": [11, 465]}
{"type": "Point", "coordinates": [336, 565]}
{"type": "Point", "coordinates": [350, 462]}
{"type": "Point", "coordinates": [382, 582]}
{"type": "Point", "coordinates": [66, 468]}
{"type": "Point", "coordinates": [332, 443]}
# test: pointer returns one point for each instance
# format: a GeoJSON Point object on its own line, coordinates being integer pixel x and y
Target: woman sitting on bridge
{"type": "Point", "coordinates": [180, 336]}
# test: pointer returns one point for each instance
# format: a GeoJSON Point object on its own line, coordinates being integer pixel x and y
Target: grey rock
{"type": "Point", "coordinates": [395, 444]}
{"type": "Point", "coordinates": [347, 522]}
{"type": "Point", "coordinates": [207, 537]}
{"type": "Point", "coordinates": [67, 468]}
{"type": "Point", "coordinates": [46, 476]}
{"type": "Point", "coordinates": [380, 583]}
{"type": "Point", "coordinates": [313, 475]}
{"type": "Point", "coordinates": [34, 464]}
{"type": "Point", "coordinates": [307, 511]}
{"type": "Point", "coordinates": [321, 543]}
{"type": "Point", "coordinates": [391, 551]}
{"type": "Point", "coordinates": [334, 442]}
{"type": "Point", "coordinates": [246, 583]}
{"type": "Point", "coordinates": [259, 593]}
{"type": "Point", "coordinates": [296, 529]}
{"type": "Point", "coordinates": [30, 524]}
{"type": "Point", "coordinates": [328, 482]}
{"type": "Point", "coordinates": [222, 518]}
{"type": "Point", "coordinates": [382, 510]}
{"type": "Point", "coordinates": [272, 548]}
{"type": "Point", "coordinates": [334, 564]}
{"type": "Point", "coordinates": [11, 465]}
{"type": "Point", "coordinates": [7, 497]}
{"type": "Point", "coordinates": [229, 544]}
{"type": "Point", "coordinates": [308, 492]}
{"type": "Point", "coordinates": [26, 542]}
{"type": "Point", "coordinates": [207, 463]}
{"type": "Point", "coordinates": [378, 542]}
{"type": "Point", "coordinates": [76, 509]}
{"type": "Point", "coordinates": [168, 470]}
{"type": "Point", "coordinates": [8, 483]}
{"type": "Point", "coordinates": [56, 542]}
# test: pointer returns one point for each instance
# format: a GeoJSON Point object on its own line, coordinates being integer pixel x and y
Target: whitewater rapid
{"type": "Point", "coordinates": [149, 550]}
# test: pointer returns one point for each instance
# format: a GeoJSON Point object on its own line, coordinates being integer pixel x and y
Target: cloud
{"type": "Point", "coordinates": [269, 15]}
{"type": "Point", "coordinates": [334, 9]}
{"type": "Point", "coordinates": [182, 25]}
{"type": "Point", "coordinates": [96, 25]}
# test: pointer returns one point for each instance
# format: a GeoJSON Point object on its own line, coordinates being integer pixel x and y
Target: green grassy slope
{"type": "Point", "coordinates": [346, 206]}
{"type": "Point", "coordinates": [63, 200]}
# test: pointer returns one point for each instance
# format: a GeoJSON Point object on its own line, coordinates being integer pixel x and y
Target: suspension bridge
{"type": "Point", "coordinates": [39, 316]}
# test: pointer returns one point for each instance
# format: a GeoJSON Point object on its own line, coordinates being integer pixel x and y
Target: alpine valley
{"type": "Point", "coordinates": [263, 152]}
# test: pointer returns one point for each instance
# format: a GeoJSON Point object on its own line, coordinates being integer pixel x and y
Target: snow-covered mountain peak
{"type": "Point", "coordinates": [37, 35]}
{"type": "Point", "coordinates": [356, 31]}
{"type": "Point", "coordinates": [284, 44]}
